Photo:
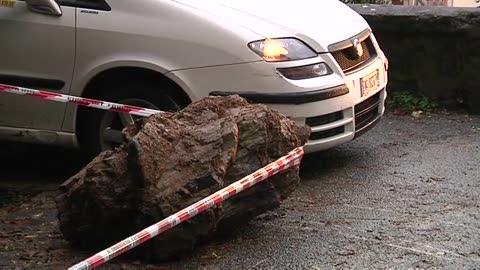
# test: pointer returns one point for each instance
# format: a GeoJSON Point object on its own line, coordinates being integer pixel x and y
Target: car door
{"type": "Point", "coordinates": [37, 50]}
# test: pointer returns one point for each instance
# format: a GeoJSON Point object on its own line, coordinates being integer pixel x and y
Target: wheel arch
{"type": "Point", "coordinates": [120, 74]}
{"type": "Point", "coordinates": [117, 74]}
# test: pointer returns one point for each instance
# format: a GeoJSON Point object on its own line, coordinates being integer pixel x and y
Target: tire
{"type": "Point", "coordinates": [100, 130]}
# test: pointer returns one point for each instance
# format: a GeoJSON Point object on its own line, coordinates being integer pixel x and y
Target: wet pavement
{"type": "Point", "coordinates": [404, 195]}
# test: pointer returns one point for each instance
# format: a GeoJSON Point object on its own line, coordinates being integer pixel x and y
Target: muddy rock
{"type": "Point", "coordinates": [172, 161]}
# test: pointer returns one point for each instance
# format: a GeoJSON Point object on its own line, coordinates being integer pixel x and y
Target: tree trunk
{"type": "Point", "coordinates": [172, 161]}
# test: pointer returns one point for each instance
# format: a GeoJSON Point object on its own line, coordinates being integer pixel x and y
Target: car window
{"type": "Point", "coordinates": [90, 4]}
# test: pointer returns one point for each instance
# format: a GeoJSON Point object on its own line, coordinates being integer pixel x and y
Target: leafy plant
{"type": "Point", "coordinates": [409, 101]}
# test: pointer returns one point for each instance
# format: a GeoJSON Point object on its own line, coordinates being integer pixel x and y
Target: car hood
{"type": "Point", "coordinates": [318, 22]}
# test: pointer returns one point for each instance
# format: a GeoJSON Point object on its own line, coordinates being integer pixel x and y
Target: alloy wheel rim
{"type": "Point", "coordinates": [113, 123]}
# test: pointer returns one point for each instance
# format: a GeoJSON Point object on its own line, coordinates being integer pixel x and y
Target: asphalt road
{"type": "Point", "coordinates": [404, 195]}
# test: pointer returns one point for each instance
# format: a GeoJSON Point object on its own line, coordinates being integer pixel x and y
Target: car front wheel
{"type": "Point", "coordinates": [102, 130]}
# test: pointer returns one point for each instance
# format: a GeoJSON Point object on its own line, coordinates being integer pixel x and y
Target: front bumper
{"type": "Point", "coordinates": [294, 98]}
{"type": "Point", "coordinates": [334, 120]}
{"type": "Point", "coordinates": [343, 126]}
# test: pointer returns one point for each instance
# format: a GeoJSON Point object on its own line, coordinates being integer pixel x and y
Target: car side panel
{"type": "Point", "coordinates": [158, 35]}
{"type": "Point", "coordinates": [37, 51]}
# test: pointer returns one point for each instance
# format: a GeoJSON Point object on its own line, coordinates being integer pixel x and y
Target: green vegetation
{"type": "Point", "coordinates": [409, 101]}
{"type": "Point", "coordinates": [378, 1]}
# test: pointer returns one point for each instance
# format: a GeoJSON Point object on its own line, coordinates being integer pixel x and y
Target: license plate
{"type": "Point", "coordinates": [369, 83]}
{"type": "Point", "coordinates": [7, 3]}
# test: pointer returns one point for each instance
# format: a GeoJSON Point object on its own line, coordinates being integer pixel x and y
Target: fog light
{"type": "Point", "coordinates": [305, 72]}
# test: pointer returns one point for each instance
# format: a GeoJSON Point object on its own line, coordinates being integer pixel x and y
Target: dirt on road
{"type": "Point", "coordinates": [404, 195]}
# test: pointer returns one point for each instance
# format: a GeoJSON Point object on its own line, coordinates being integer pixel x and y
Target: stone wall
{"type": "Point", "coordinates": [433, 50]}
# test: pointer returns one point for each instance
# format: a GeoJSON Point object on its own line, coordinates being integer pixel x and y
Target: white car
{"type": "Point", "coordinates": [316, 61]}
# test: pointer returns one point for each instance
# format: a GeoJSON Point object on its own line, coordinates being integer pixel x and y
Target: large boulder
{"type": "Point", "coordinates": [172, 161]}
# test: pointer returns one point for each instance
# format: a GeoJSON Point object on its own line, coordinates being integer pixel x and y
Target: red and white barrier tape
{"type": "Point", "coordinates": [293, 158]}
{"type": "Point", "coordinates": [79, 101]}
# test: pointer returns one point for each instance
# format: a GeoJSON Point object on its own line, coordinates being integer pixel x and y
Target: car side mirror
{"type": "Point", "coordinates": [49, 7]}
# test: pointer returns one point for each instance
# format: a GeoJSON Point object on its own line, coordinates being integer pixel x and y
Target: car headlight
{"type": "Point", "coordinates": [306, 72]}
{"type": "Point", "coordinates": [281, 49]}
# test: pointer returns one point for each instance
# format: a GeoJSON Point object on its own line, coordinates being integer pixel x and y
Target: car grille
{"type": "Point", "coordinates": [327, 133]}
{"type": "Point", "coordinates": [348, 60]}
{"type": "Point", "coordinates": [367, 111]}
{"type": "Point", "coordinates": [323, 120]}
